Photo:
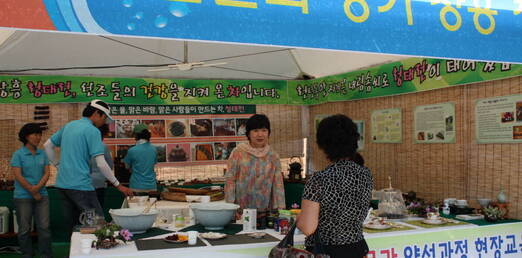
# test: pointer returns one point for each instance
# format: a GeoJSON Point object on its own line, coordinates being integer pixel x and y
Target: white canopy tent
{"type": "Point", "coordinates": [54, 53]}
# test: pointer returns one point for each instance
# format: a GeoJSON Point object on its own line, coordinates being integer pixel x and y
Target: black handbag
{"type": "Point", "coordinates": [285, 248]}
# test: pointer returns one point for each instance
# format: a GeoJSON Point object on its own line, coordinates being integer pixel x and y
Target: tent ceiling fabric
{"type": "Point", "coordinates": [33, 49]}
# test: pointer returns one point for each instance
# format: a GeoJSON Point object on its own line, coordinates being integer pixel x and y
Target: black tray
{"type": "Point", "coordinates": [458, 211]}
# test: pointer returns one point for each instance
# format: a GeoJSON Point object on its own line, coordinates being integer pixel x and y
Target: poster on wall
{"type": "Point", "coordinates": [358, 123]}
{"type": "Point", "coordinates": [499, 119]}
{"type": "Point", "coordinates": [387, 126]}
{"type": "Point", "coordinates": [182, 134]}
{"type": "Point", "coordinates": [434, 123]}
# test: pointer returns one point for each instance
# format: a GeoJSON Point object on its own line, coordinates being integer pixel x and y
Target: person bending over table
{"type": "Point", "coordinates": [79, 142]}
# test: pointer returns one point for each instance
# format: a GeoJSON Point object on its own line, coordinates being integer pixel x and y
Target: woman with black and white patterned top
{"type": "Point", "coordinates": [336, 200]}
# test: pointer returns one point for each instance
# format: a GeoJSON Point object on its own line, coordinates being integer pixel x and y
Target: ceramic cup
{"type": "Point", "coordinates": [192, 237]}
{"type": "Point", "coordinates": [86, 244]}
{"type": "Point", "coordinates": [432, 216]}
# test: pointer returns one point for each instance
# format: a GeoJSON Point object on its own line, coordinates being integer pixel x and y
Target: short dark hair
{"type": "Point", "coordinates": [337, 136]}
{"type": "Point", "coordinates": [28, 129]}
{"type": "Point", "coordinates": [89, 110]}
{"type": "Point", "coordinates": [145, 134]}
{"type": "Point", "coordinates": [257, 121]}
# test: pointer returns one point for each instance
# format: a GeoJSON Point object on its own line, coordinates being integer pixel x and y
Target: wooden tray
{"type": "Point", "coordinates": [189, 191]}
{"type": "Point", "coordinates": [176, 197]}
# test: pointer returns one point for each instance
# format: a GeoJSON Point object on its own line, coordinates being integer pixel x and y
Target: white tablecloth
{"type": "Point", "coordinates": [130, 250]}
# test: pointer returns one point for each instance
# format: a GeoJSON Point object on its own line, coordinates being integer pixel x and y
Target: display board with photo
{"type": "Point", "coordinates": [179, 152]}
{"type": "Point", "coordinates": [434, 123]}
{"type": "Point", "coordinates": [222, 150]}
{"type": "Point", "coordinates": [156, 128]}
{"type": "Point", "coordinates": [125, 127]}
{"type": "Point", "coordinates": [177, 128]}
{"type": "Point", "coordinates": [241, 126]}
{"type": "Point", "coordinates": [225, 127]}
{"type": "Point", "coordinates": [201, 127]}
{"type": "Point", "coordinates": [184, 130]}
{"type": "Point", "coordinates": [499, 119]}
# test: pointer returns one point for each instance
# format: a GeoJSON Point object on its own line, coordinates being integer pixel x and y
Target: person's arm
{"type": "Point", "coordinates": [231, 178]}
{"type": "Point", "coordinates": [50, 152]}
{"type": "Point", "coordinates": [17, 172]}
{"type": "Point", "coordinates": [107, 172]}
{"type": "Point", "coordinates": [108, 158]}
{"type": "Point", "coordinates": [44, 178]}
{"type": "Point", "coordinates": [308, 219]}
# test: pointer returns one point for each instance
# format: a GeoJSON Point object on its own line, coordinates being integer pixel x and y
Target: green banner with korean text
{"type": "Point", "coordinates": [406, 76]}
{"type": "Point", "coordinates": [68, 89]}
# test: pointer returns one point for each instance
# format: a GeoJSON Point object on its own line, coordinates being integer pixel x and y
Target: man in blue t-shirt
{"type": "Point", "coordinates": [79, 142]}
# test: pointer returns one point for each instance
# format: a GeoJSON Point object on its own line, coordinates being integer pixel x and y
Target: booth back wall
{"type": "Point", "coordinates": [463, 169]}
{"type": "Point", "coordinates": [286, 135]}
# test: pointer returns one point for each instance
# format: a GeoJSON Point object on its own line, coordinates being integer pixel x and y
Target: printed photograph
{"type": "Point", "coordinates": [241, 126]}
{"type": "Point", "coordinates": [178, 152]}
{"type": "Point", "coordinates": [177, 128]}
{"type": "Point", "coordinates": [160, 148]}
{"type": "Point", "coordinates": [506, 117]}
{"type": "Point", "coordinates": [124, 128]}
{"type": "Point", "coordinates": [202, 151]}
{"type": "Point", "coordinates": [156, 128]}
{"type": "Point", "coordinates": [440, 135]}
{"type": "Point", "coordinates": [224, 127]}
{"type": "Point", "coordinates": [222, 150]}
{"type": "Point", "coordinates": [517, 132]}
{"type": "Point", "coordinates": [421, 136]}
{"type": "Point", "coordinates": [201, 127]}
{"type": "Point", "coordinates": [449, 123]}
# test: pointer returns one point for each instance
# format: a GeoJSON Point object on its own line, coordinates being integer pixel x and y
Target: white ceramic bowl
{"type": "Point", "coordinates": [214, 216]}
{"type": "Point", "coordinates": [133, 219]}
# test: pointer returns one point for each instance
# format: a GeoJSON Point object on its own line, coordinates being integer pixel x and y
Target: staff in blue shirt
{"type": "Point", "coordinates": [141, 159]}
{"type": "Point", "coordinates": [31, 170]}
{"type": "Point", "coordinates": [79, 142]}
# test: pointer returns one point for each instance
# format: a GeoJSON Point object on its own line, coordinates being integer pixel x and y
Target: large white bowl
{"type": "Point", "coordinates": [133, 219]}
{"type": "Point", "coordinates": [214, 216]}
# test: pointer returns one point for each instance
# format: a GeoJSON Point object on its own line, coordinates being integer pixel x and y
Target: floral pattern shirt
{"type": "Point", "coordinates": [254, 179]}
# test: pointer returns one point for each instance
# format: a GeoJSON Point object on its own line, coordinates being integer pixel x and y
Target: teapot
{"type": "Point", "coordinates": [294, 173]}
{"type": "Point", "coordinates": [88, 217]}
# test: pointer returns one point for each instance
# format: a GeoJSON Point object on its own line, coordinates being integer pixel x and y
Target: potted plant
{"type": "Point", "coordinates": [107, 236]}
{"type": "Point", "coordinates": [492, 214]}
